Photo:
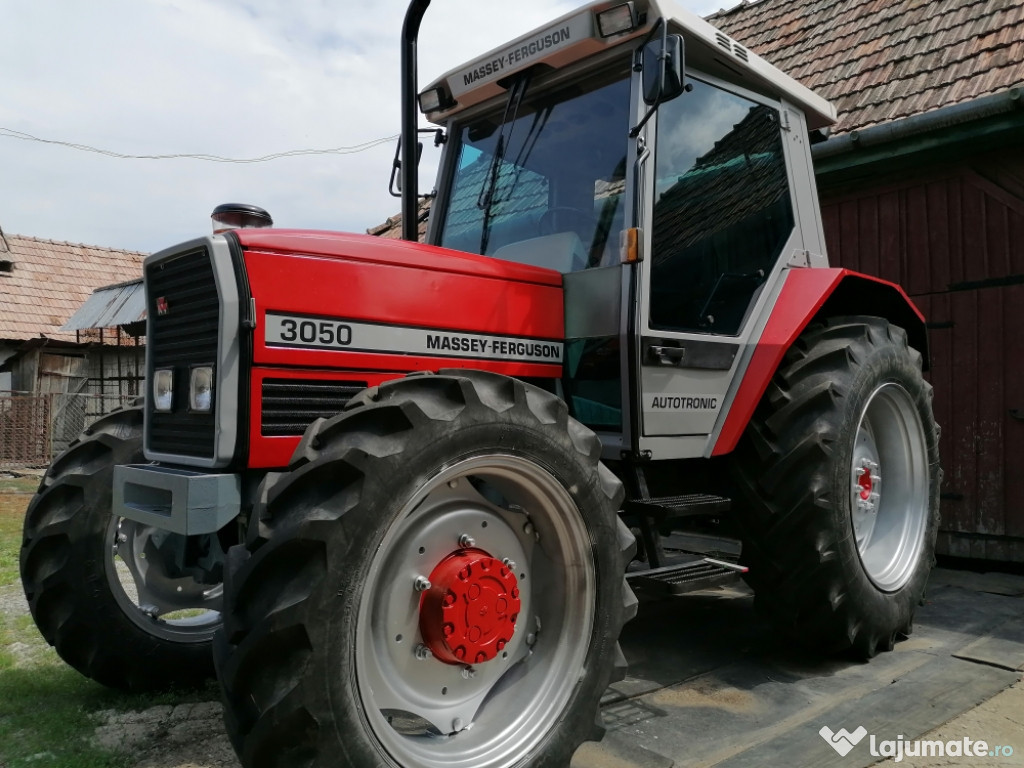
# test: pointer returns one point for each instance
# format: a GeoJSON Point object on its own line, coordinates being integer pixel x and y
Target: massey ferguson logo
{"type": "Point", "coordinates": [161, 306]}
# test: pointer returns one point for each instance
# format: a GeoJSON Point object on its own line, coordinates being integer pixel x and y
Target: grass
{"type": "Point", "coordinates": [45, 718]}
{"type": "Point", "coordinates": [48, 711]}
{"type": "Point", "coordinates": [15, 493]}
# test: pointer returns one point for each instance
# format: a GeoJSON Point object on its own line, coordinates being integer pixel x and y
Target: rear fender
{"type": "Point", "coordinates": [806, 296]}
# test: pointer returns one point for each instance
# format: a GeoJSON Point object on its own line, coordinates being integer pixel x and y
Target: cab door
{"type": "Point", "coordinates": [720, 225]}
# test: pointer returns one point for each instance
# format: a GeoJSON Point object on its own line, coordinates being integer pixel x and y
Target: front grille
{"type": "Point", "coordinates": [184, 322]}
{"type": "Point", "coordinates": [291, 405]}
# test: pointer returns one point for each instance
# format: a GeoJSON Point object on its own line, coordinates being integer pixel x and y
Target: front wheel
{"type": "Point", "coordinates": [129, 605]}
{"type": "Point", "coordinates": [839, 472]}
{"type": "Point", "coordinates": [438, 581]}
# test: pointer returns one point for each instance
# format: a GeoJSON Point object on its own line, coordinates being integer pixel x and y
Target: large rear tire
{"type": "Point", "coordinates": [839, 477]}
{"type": "Point", "coordinates": [127, 605]}
{"type": "Point", "coordinates": [437, 581]}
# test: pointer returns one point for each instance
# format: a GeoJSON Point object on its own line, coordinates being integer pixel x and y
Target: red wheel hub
{"type": "Point", "coordinates": [469, 613]}
{"type": "Point", "coordinates": [866, 483]}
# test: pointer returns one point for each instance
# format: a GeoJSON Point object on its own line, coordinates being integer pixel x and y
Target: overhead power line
{"type": "Point", "coordinates": [22, 136]}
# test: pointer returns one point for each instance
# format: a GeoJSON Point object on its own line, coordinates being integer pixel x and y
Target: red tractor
{"type": "Point", "coordinates": [399, 491]}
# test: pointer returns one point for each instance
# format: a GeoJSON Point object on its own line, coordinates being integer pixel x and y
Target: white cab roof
{"type": "Point", "coordinates": [574, 37]}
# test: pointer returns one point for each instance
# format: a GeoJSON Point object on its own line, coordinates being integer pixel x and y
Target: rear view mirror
{"type": "Point", "coordinates": [663, 69]}
{"type": "Point", "coordinates": [395, 184]}
{"type": "Point", "coordinates": [660, 61]}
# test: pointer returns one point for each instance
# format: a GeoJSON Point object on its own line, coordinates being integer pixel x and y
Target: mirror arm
{"type": "Point", "coordinates": [638, 53]}
{"type": "Point", "coordinates": [638, 66]}
{"type": "Point", "coordinates": [635, 131]}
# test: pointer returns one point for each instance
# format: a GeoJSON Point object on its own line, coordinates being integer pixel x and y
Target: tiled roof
{"type": "Point", "coordinates": [48, 281]}
{"type": "Point", "coordinates": [882, 60]}
{"type": "Point", "coordinates": [391, 229]}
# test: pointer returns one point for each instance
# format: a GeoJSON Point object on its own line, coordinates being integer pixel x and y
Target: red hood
{"type": "Point", "coordinates": [392, 252]}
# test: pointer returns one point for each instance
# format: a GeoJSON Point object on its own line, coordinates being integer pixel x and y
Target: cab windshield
{"type": "Point", "coordinates": [542, 181]}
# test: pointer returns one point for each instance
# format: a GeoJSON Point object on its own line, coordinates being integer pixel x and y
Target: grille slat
{"type": "Point", "coordinates": [187, 334]}
{"type": "Point", "coordinates": [288, 406]}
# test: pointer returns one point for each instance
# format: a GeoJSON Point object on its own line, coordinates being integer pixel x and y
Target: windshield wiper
{"type": "Point", "coordinates": [485, 200]}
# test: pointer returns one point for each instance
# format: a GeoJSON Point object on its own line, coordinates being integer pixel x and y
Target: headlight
{"type": "Point", "coordinates": [200, 388]}
{"type": "Point", "coordinates": [163, 389]}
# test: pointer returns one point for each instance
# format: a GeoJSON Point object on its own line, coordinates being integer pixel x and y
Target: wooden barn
{"type": "Point", "coordinates": [922, 183]}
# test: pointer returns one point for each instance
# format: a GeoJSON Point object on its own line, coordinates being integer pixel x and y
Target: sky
{"type": "Point", "coordinates": [229, 78]}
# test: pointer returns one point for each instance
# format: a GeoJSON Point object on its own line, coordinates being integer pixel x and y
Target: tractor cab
{"type": "Point", "coordinates": [665, 171]}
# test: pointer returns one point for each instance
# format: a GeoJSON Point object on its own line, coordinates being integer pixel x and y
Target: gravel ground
{"type": "Point", "coordinates": [12, 600]}
{"type": "Point", "coordinates": [182, 736]}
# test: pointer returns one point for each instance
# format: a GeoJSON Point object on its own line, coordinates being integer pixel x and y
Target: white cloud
{"type": "Point", "coordinates": [242, 78]}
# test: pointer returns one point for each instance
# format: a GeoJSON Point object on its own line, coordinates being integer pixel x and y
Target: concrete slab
{"type": "Point", "coordinates": [1008, 584]}
{"type": "Point", "coordinates": [999, 722]}
{"type": "Point", "coordinates": [1003, 647]}
{"type": "Point", "coordinates": [710, 684]}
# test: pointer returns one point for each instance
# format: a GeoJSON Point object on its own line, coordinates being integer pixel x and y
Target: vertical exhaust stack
{"type": "Point", "coordinates": [410, 178]}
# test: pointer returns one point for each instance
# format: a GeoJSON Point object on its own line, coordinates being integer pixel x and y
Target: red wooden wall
{"type": "Point", "coordinates": [954, 238]}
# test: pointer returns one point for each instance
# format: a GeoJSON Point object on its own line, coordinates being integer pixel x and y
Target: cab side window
{"type": "Point", "coordinates": [722, 211]}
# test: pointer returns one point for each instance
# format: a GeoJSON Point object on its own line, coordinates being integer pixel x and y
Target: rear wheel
{"type": "Point", "coordinates": [128, 605]}
{"type": "Point", "coordinates": [438, 581]}
{"type": "Point", "coordinates": [839, 473]}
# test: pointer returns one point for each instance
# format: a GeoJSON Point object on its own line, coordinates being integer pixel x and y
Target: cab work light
{"type": "Point", "coordinates": [615, 21]}
{"type": "Point", "coordinates": [432, 100]}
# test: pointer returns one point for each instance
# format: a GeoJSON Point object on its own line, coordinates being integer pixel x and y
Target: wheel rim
{"type": "Point", "coordinates": [889, 487]}
{"type": "Point", "coordinates": [177, 601]}
{"type": "Point", "coordinates": [429, 713]}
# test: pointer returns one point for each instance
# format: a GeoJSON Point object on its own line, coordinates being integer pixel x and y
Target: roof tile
{"type": "Point", "coordinates": [881, 60]}
{"type": "Point", "coordinates": [50, 280]}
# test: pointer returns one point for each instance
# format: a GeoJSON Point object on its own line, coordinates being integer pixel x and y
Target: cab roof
{"type": "Point", "coordinates": [575, 37]}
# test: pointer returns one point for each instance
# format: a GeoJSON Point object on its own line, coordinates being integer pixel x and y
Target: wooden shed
{"type": "Point", "coordinates": [53, 379]}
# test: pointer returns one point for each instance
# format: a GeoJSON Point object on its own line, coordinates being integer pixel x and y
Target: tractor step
{"type": "Point", "coordinates": [686, 577]}
{"type": "Point", "coordinates": [686, 505]}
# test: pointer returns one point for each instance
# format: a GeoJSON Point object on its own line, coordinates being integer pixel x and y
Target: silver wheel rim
{"type": "Point", "coordinates": [177, 607]}
{"type": "Point", "coordinates": [889, 487]}
{"type": "Point", "coordinates": [427, 713]}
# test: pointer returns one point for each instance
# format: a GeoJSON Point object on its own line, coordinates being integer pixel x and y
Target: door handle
{"type": "Point", "coordinates": [667, 355]}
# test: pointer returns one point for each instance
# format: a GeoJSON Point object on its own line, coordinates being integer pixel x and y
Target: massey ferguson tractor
{"type": "Point", "coordinates": [397, 493]}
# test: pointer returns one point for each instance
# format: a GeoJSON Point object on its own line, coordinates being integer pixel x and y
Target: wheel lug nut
{"type": "Point", "coordinates": [422, 584]}
{"type": "Point", "coordinates": [422, 652]}
{"type": "Point", "coordinates": [466, 541]}
{"type": "Point", "coordinates": [509, 563]}
{"type": "Point", "coordinates": [457, 724]}
{"type": "Point", "coordinates": [528, 529]}
{"type": "Point", "coordinates": [468, 673]}
{"type": "Point", "coordinates": [531, 639]}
